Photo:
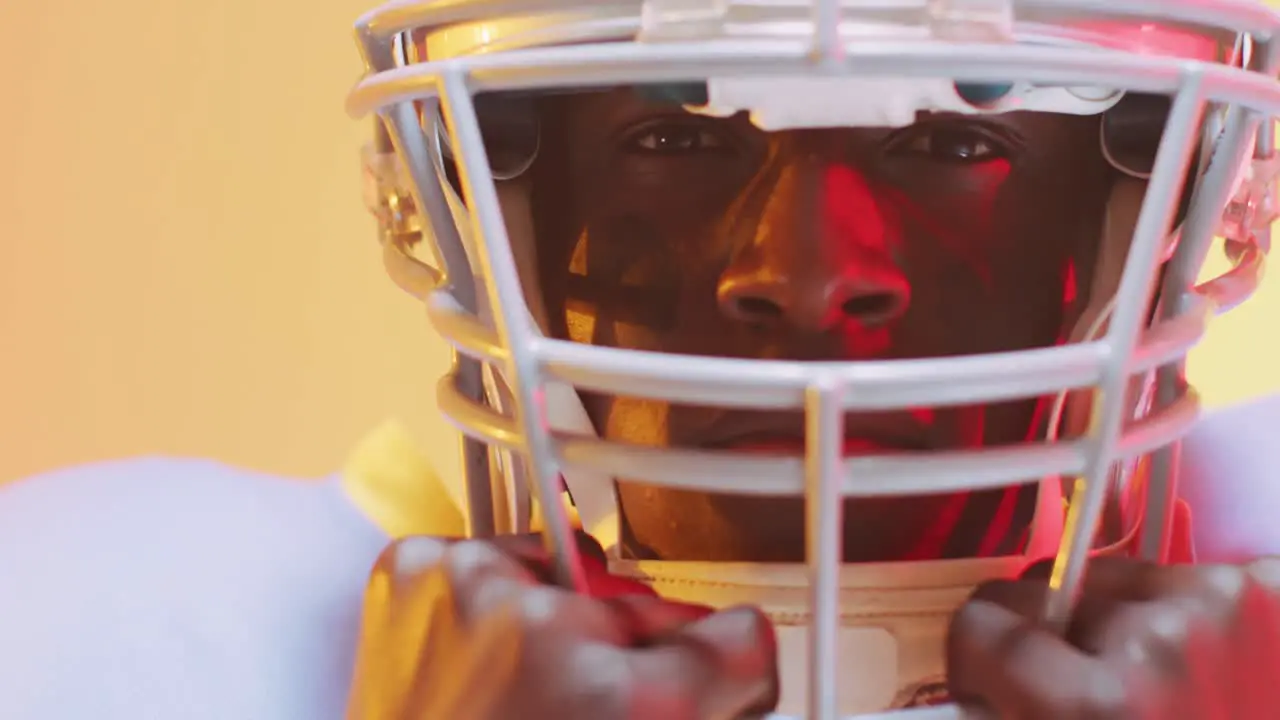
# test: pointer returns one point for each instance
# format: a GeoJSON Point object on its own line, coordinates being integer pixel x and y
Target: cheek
{"type": "Point", "coordinates": [634, 420]}
{"type": "Point", "coordinates": [675, 192]}
{"type": "Point", "coordinates": [987, 265]}
{"type": "Point", "coordinates": [626, 280]}
{"type": "Point", "coordinates": [586, 326]}
{"type": "Point", "coordinates": [581, 324]}
{"type": "Point", "coordinates": [954, 222]}
{"type": "Point", "coordinates": [989, 183]}
{"type": "Point", "coordinates": [972, 214]}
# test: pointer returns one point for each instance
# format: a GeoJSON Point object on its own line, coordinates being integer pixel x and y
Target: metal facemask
{"type": "Point", "coordinates": [1195, 80]}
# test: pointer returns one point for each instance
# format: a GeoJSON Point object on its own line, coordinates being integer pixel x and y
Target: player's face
{"type": "Point", "coordinates": [660, 230]}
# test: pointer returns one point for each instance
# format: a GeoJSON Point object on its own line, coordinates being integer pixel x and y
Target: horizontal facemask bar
{"type": "Point", "coordinates": [630, 63]}
{"type": "Point", "coordinates": [869, 384]}
{"type": "Point", "coordinates": [906, 473]}
{"type": "Point", "coordinates": [377, 29]}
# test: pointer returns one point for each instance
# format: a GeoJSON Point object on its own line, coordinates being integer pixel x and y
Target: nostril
{"type": "Point", "coordinates": [871, 306]}
{"type": "Point", "coordinates": [757, 308]}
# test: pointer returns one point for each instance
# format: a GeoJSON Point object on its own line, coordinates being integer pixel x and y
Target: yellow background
{"type": "Point", "coordinates": [185, 263]}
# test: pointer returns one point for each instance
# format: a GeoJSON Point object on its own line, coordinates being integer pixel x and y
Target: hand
{"type": "Point", "coordinates": [469, 631]}
{"type": "Point", "coordinates": [1147, 642]}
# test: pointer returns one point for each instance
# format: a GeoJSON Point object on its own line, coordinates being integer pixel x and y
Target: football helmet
{"type": "Point", "coordinates": [1186, 93]}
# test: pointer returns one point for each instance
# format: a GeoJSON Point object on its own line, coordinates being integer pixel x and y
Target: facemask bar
{"type": "Point", "coordinates": [512, 320]}
{"type": "Point", "coordinates": [400, 125]}
{"type": "Point", "coordinates": [1177, 291]}
{"type": "Point", "coordinates": [824, 390]}
{"type": "Point", "coordinates": [1154, 224]}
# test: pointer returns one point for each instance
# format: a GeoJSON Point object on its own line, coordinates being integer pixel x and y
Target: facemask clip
{"type": "Point", "coordinates": [1254, 207]}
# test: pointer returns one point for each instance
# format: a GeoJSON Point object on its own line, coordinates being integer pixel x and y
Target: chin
{"type": "Point", "coordinates": [773, 529]}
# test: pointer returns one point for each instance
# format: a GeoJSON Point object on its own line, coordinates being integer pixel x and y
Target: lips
{"type": "Point", "coordinates": [784, 434]}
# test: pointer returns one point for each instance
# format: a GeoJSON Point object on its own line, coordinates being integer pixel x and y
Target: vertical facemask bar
{"type": "Point", "coordinates": [1177, 294]}
{"type": "Point", "coordinates": [421, 161]}
{"type": "Point", "coordinates": [459, 282]}
{"type": "Point", "coordinates": [512, 320]}
{"type": "Point", "coordinates": [1177, 297]}
{"type": "Point", "coordinates": [487, 509]}
{"type": "Point", "coordinates": [1107, 414]}
{"type": "Point", "coordinates": [1265, 148]}
{"type": "Point", "coordinates": [824, 523]}
{"type": "Point", "coordinates": [409, 141]}
{"type": "Point", "coordinates": [511, 478]}
{"type": "Point", "coordinates": [827, 48]}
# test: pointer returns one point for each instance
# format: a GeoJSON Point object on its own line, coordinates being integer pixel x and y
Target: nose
{"type": "Point", "coordinates": [822, 254]}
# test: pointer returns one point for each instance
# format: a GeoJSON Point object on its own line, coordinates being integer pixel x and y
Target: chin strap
{"type": "Point", "coordinates": [1181, 544]}
{"type": "Point", "coordinates": [593, 493]}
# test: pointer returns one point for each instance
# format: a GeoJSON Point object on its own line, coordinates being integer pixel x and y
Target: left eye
{"type": "Point", "coordinates": [950, 145]}
{"type": "Point", "coordinates": [676, 139]}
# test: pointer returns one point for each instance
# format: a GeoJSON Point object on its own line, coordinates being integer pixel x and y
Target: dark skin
{"type": "Point", "coordinates": [812, 245]}
{"type": "Point", "coordinates": [659, 230]}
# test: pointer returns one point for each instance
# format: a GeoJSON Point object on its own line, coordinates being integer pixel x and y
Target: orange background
{"type": "Point", "coordinates": [185, 263]}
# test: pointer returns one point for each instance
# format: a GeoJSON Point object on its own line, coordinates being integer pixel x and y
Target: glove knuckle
{"type": "Point", "coordinates": [537, 606]}
{"type": "Point", "coordinates": [410, 556]}
{"type": "Point", "coordinates": [1109, 698]}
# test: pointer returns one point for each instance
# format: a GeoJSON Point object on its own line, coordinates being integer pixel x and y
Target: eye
{"type": "Point", "coordinates": [954, 144]}
{"type": "Point", "coordinates": [676, 138]}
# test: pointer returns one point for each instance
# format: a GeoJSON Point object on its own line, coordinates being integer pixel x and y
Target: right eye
{"type": "Point", "coordinates": [676, 138]}
{"type": "Point", "coordinates": [951, 145]}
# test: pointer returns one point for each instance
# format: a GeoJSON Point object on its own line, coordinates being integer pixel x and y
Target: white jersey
{"type": "Point", "coordinates": [159, 589]}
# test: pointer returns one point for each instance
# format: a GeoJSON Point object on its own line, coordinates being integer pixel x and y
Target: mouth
{"type": "Point", "coordinates": [767, 433]}
{"type": "Point", "coordinates": [784, 433]}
